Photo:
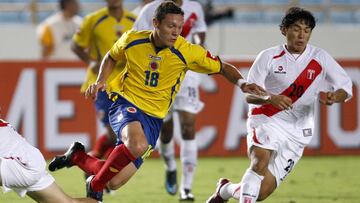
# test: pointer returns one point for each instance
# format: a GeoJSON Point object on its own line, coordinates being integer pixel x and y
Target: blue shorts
{"type": "Point", "coordinates": [123, 112]}
{"type": "Point", "coordinates": [102, 105]}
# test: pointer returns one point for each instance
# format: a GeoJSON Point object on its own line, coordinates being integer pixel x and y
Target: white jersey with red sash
{"type": "Point", "coordinates": [299, 77]}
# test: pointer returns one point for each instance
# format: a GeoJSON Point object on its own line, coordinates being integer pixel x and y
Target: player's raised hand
{"type": "Point", "coordinates": [93, 89]}
{"type": "Point", "coordinates": [329, 99]}
{"type": "Point", "coordinates": [281, 102]}
{"type": "Point", "coordinates": [252, 88]}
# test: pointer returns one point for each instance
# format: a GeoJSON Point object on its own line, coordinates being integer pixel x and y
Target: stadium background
{"type": "Point", "coordinates": [42, 99]}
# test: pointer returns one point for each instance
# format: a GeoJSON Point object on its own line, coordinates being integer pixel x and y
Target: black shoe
{"type": "Point", "coordinates": [90, 192]}
{"type": "Point", "coordinates": [171, 182]}
{"type": "Point", "coordinates": [64, 160]}
{"type": "Point", "coordinates": [186, 195]}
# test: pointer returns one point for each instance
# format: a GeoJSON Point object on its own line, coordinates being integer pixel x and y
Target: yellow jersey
{"type": "Point", "coordinates": [152, 77]}
{"type": "Point", "coordinates": [98, 33]}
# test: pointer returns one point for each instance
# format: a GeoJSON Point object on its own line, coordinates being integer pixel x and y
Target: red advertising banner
{"type": "Point", "coordinates": [42, 100]}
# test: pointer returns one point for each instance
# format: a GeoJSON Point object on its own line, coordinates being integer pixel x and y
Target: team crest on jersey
{"type": "Point", "coordinates": [280, 70]}
{"type": "Point", "coordinates": [153, 65]}
{"type": "Point", "coordinates": [209, 55]}
{"type": "Point", "coordinates": [310, 74]}
{"type": "Point", "coordinates": [131, 109]}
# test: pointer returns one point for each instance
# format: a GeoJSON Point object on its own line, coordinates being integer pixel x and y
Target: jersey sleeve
{"type": "Point", "coordinates": [117, 51]}
{"type": "Point", "coordinates": [336, 76]}
{"type": "Point", "coordinates": [82, 37]}
{"type": "Point", "coordinates": [144, 19]}
{"type": "Point", "coordinates": [258, 70]}
{"type": "Point", "coordinates": [202, 61]}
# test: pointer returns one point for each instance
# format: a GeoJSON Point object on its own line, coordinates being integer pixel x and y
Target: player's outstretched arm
{"type": "Point", "coordinates": [232, 74]}
{"type": "Point", "coordinates": [106, 68]}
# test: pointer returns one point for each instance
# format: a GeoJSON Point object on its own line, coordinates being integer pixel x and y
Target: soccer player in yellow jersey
{"type": "Point", "coordinates": [156, 63]}
{"type": "Point", "coordinates": [99, 31]}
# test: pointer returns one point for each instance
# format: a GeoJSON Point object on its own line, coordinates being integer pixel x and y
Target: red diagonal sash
{"type": "Point", "coordinates": [295, 90]}
{"type": "Point", "coordinates": [3, 123]}
{"type": "Point", "coordinates": [189, 23]}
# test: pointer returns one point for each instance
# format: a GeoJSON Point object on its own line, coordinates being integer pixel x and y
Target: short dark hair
{"type": "Point", "coordinates": [295, 14]}
{"type": "Point", "coordinates": [63, 3]}
{"type": "Point", "coordinates": [167, 7]}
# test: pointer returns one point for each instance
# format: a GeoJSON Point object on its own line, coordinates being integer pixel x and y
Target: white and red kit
{"type": "Point", "coordinates": [187, 98]}
{"type": "Point", "coordinates": [300, 77]}
{"type": "Point", "coordinates": [22, 166]}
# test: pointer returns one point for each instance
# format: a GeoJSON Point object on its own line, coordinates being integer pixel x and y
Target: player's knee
{"type": "Point", "coordinates": [138, 149]}
{"type": "Point", "coordinates": [165, 138]}
{"type": "Point", "coordinates": [188, 130]}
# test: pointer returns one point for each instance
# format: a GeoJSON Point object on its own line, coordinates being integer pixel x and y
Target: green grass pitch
{"type": "Point", "coordinates": [313, 180]}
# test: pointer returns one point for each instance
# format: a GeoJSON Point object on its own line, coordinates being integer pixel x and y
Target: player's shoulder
{"type": "Point", "coordinates": [98, 14]}
{"type": "Point", "coordinates": [77, 19]}
{"type": "Point", "coordinates": [182, 43]}
{"type": "Point", "coordinates": [133, 35]}
{"type": "Point", "coordinates": [129, 16]}
{"type": "Point", "coordinates": [53, 19]}
{"type": "Point", "coordinates": [272, 52]}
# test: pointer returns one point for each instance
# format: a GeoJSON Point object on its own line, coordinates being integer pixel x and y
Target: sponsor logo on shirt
{"type": "Point", "coordinates": [307, 132]}
{"type": "Point", "coordinates": [280, 70]}
{"type": "Point", "coordinates": [209, 55]}
{"type": "Point", "coordinates": [154, 58]}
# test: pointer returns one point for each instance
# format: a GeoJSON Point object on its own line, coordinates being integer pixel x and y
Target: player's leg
{"type": "Point", "coordinates": [167, 152]}
{"type": "Point", "coordinates": [107, 141]}
{"type": "Point", "coordinates": [252, 186]}
{"type": "Point", "coordinates": [54, 194]}
{"type": "Point", "coordinates": [188, 153]}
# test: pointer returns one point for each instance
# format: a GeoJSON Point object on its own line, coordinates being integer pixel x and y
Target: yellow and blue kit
{"type": "Point", "coordinates": [98, 33]}
{"type": "Point", "coordinates": [149, 81]}
{"type": "Point", "coordinates": [151, 77]}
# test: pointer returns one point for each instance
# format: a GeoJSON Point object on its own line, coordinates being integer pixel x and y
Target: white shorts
{"type": "Point", "coordinates": [286, 152]}
{"type": "Point", "coordinates": [188, 97]}
{"type": "Point", "coordinates": [23, 174]}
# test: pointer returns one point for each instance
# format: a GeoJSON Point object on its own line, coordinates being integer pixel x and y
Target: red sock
{"type": "Point", "coordinates": [101, 146]}
{"type": "Point", "coordinates": [117, 160]}
{"type": "Point", "coordinates": [89, 164]}
{"type": "Point", "coordinates": [108, 152]}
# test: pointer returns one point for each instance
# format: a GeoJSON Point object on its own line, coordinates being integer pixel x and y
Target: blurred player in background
{"type": "Point", "coordinates": [281, 124]}
{"type": "Point", "coordinates": [22, 169]}
{"type": "Point", "coordinates": [99, 31]}
{"type": "Point", "coordinates": [156, 63]}
{"type": "Point", "coordinates": [187, 102]}
{"type": "Point", "coordinates": [56, 32]}
{"type": "Point", "coordinates": [137, 10]}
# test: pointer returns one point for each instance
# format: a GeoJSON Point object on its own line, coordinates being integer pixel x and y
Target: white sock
{"type": "Point", "coordinates": [167, 152]}
{"type": "Point", "coordinates": [250, 187]}
{"type": "Point", "coordinates": [188, 156]}
{"type": "Point", "coordinates": [230, 190]}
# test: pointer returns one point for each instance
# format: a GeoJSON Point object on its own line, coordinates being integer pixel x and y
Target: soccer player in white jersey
{"type": "Point", "coordinates": [56, 32]}
{"type": "Point", "coordinates": [187, 102]}
{"type": "Point", "coordinates": [281, 124]}
{"type": "Point", "coordinates": [22, 169]}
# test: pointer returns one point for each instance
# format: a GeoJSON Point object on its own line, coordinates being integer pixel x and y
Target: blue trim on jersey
{"type": "Point", "coordinates": [173, 89]}
{"type": "Point", "coordinates": [137, 42]}
{"type": "Point", "coordinates": [100, 20]}
{"type": "Point", "coordinates": [122, 112]}
{"type": "Point", "coordinates": [131, 18]}
{"type": "Point", "coordinates": [178, 53]}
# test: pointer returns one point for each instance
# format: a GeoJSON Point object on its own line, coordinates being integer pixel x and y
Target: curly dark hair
{"type": "Point", "coordinates": [295, 14]}
{"type": "Point", "coordinates": [167, 7]}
